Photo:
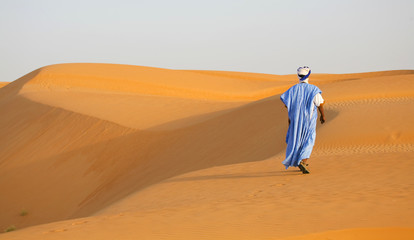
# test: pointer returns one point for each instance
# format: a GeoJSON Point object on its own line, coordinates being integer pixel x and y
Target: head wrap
{"type": "Point", "coordinates": [305, 72]}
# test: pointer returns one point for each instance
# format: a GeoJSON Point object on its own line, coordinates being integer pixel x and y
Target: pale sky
{"type": "Point", "coordinates": [263, 36]}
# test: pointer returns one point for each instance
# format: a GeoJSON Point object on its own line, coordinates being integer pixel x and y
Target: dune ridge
{"type": "Point", "coordinates": [145, 80]}
{"type": "Point", "coordinates": [100, 150]}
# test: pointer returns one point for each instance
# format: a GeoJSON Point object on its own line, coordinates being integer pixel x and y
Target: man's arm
{"type": "Point", "coordinates": [322, 113]}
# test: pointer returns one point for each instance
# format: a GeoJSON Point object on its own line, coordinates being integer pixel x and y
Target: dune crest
{"type": "Point", "coordinates": [116, 78]}
{"type": "Point", "coordinates": [95, 150]}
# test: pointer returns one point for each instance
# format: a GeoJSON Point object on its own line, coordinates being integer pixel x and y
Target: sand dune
{"type": "Point", "coordinates": [104, 151]}
{"type": "Point", "coordinates": [2, 84]}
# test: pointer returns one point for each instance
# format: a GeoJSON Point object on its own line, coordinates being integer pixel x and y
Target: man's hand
{"type": "Point", "coordinates": [322, 113]}
{"type": "Point", "coordinates": [322, 119]}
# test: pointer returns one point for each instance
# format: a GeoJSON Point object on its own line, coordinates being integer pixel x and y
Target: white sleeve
{"type": "Point", "coordinates": [318, 100]}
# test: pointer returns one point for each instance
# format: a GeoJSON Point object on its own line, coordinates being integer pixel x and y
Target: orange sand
{"type": "Point", "coordinates": [103, 151]}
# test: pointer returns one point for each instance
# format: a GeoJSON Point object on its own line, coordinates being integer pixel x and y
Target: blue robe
{"type": "Point", "coordinates": [301, 134]}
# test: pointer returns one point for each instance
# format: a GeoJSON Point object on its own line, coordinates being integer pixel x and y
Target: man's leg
{"type": "Point", "coordinates": [304, 161]}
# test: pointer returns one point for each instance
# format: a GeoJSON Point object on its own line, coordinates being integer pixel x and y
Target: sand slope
{"type": "Point", "coordinates": [105, 151]}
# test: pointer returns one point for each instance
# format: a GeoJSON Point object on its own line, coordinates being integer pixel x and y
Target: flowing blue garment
{"type": "Point", "coordinates": [301, 134]}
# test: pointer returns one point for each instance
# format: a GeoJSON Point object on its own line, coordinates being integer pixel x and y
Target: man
{"type": "Point", "coordinates": [301, 101]}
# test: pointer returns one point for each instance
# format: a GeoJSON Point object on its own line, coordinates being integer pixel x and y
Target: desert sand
{"type": "Point", "coordinates": [106, 151]}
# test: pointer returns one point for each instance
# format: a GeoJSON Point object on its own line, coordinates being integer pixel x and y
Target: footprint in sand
{"type": "Point", "coordinates": [277, 185]}
{"type": "Point", "coordinates": [56, 231]}
{"type": "Point", "coordinates": [79, 223]}
{"type": "Point", "coordinates": [255, 193]}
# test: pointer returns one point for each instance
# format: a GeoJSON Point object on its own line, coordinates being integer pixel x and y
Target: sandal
{"type": "Point", "coordinates": [302, 167]}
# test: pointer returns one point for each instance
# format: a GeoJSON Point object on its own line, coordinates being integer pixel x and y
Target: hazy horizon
{"type": "Point", "coordinates": [272, 37]}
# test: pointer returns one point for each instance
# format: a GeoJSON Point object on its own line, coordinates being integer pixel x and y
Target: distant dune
{"type": "Point", "coordinates": [2, 84]}
{"type": "Point", "coordinates": [106, 151]}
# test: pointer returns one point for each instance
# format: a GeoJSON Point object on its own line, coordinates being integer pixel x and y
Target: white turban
{"type": "Point", "coordinates": [303, 73]}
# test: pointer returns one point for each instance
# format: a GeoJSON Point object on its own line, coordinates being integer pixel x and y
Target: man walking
{"type": "Point", "coordinates": [301, 101]}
